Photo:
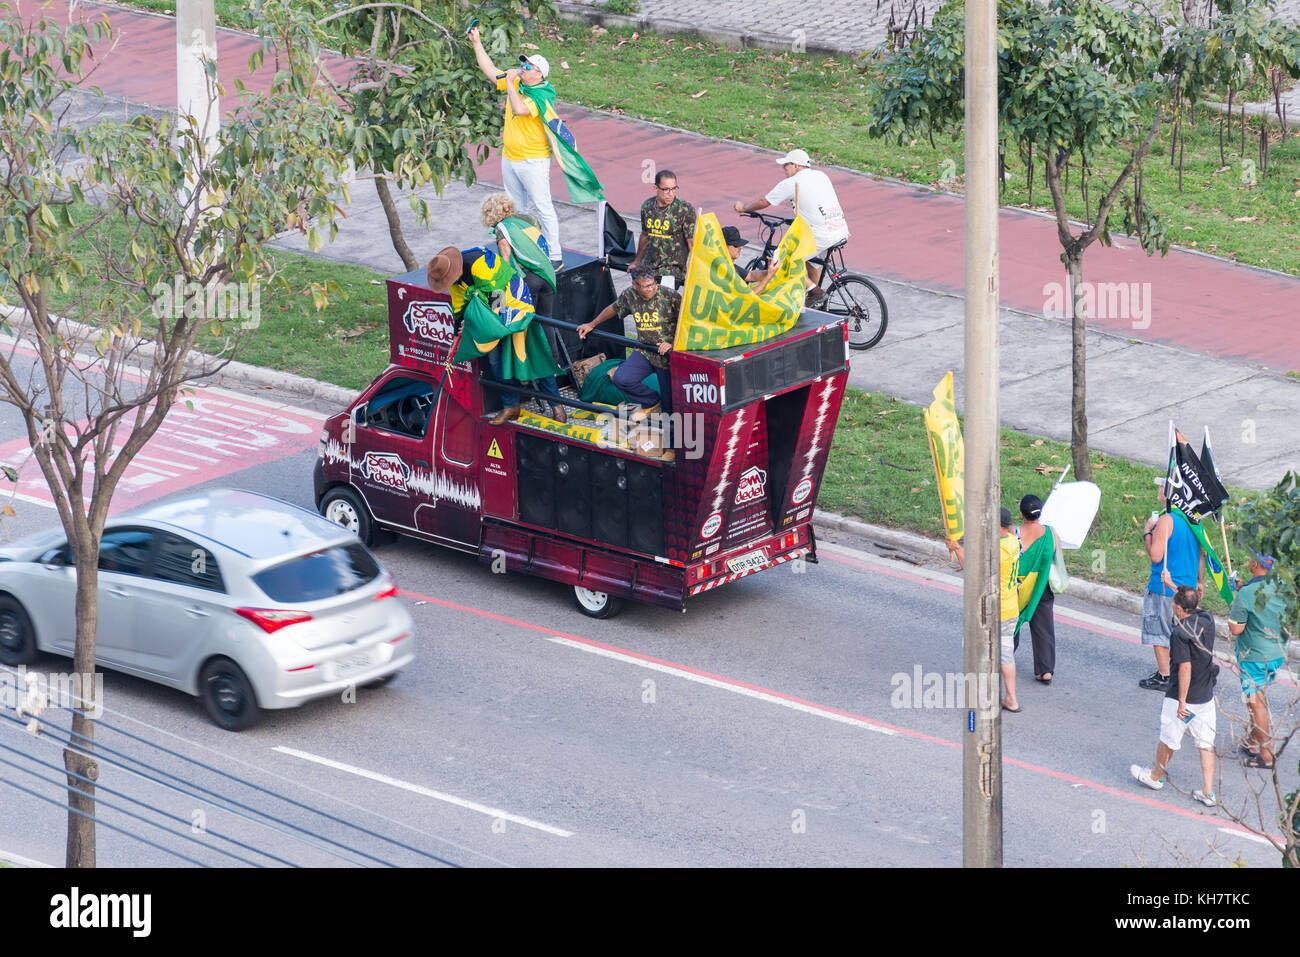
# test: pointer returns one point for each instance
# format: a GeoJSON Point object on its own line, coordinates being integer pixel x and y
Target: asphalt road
{"type": "Point", "coordinates": [759, 728]}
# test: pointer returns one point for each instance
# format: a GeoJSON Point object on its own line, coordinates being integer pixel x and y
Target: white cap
{"type": "Point", "coordinates": [539, 61]}
{"type": "Point", "coordinates": [797, 157]}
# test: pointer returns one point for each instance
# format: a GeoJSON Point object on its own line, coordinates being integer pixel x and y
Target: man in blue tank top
{"type": "Point", "coordinates": [1176, 559]}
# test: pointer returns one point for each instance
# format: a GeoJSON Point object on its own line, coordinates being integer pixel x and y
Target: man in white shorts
{"type": "Point", "coordinates": [818, 205]}
{"type": "Point", "coordinates": [1189, 703]}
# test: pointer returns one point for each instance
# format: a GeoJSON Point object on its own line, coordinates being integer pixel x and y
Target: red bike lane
{"type": "Point", "coordinates": [900, 232]}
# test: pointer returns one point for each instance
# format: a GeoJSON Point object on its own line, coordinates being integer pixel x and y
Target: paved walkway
{"type": "Point", "coordinates": [1204, 340]}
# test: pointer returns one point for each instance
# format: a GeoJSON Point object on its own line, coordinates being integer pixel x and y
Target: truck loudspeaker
{"type": "Point", "coordinates": [535, 468]}
{"type": "Point", "coordinates": [590, 494]}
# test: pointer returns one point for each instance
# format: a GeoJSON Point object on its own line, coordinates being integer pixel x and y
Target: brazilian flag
{"type": "Point", "coordinates": [526, 354]}
{"type": "Point", "coordinates": [1035, 564]}
{"type": "Point", "coordinates": [528, 248]}
{"type": "Point", "coordinates": [582, 182]}
{"type": "Point", "coordinates": [1213, 567]}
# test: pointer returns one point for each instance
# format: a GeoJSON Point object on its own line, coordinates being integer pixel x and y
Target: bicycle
{"type": "Point", "coordinates": [850, 295]}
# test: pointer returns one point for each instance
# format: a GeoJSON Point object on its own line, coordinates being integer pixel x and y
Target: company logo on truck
{"type": "Point", "coordinates": [385, 468]}
{"type": "Point", "coordinates": [711, 525]}
{"type": "Point", "coordinates": [752, 485]}
{"type": "Point", "coordinates": [700, 390]}
{"type": "Point", "coordinates": [430, 320]}
{"type": "Point", "coordinates": [801, 492]}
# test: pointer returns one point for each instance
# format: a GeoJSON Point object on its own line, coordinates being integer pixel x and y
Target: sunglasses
{"type": "Point", "coordinates": [525, 66]}
{"type": "Point", "coordinates": [666, 189]}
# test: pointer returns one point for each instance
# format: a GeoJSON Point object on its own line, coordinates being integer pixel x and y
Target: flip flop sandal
{"type": "Point", "coordinates": [1255, 761]}
{"type": "Point", "coordinates": [1012, 710]}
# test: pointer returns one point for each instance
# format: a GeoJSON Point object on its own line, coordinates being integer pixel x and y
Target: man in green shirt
{"type": "Point", "coordinates": [1256, 620]}
{"type": "Point", "coordinates": [655, 311]}
{"type": "Point", "coordinates": [667, 230]}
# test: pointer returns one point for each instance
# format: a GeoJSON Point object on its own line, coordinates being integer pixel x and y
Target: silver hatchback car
{"type": "Point", "coordinates": [239, 598]}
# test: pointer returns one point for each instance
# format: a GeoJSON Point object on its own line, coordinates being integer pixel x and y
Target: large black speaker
{"type": "Point", "coordinates": [645, 511]}
{"type": "Point", "coordinates": [582, 291]}
{"type": "Point", "coordinates": [573, 489]}
{"type": "Point", "coordinates": [609, 499]}
{"type": "Point", "coordinates": [536, 479]}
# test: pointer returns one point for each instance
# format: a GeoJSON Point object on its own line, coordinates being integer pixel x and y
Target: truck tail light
{"type": "Point", "coordinates": [271, 620]}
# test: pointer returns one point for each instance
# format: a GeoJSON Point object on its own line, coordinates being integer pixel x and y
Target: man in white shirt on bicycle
{"type": "Point", "coordinates": [817, 204]}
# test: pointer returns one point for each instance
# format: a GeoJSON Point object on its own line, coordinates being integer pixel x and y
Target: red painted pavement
{"type": "Point", "coordinates": [1197, 302]}
{"type": "Point", "coordinates": [222, 434]}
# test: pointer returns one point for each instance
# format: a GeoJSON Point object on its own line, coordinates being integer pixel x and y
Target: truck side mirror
{"type": "Point", "coordinates": [361, 415]}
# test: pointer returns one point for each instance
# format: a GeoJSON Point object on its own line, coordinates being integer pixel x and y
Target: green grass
{"type": "Point", "coordinates": [880, 470]}
{"type": "Point", "coordinates": [783, 100]}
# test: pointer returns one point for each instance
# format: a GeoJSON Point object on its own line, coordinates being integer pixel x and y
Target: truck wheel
{"type": "Point", "coordinates": [344, 507]}
{"type": "Point", "coordinates": [596, 604]}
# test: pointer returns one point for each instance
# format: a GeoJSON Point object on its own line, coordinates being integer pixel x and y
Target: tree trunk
{"type": "Point", "coordinates": [78, 758]}
{"type": "Point", "coordinates": [395, 224]}
{"type": "Point", "coordinates": [1078, 364]}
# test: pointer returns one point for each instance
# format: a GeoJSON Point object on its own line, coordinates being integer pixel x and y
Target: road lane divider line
{"type": "Point", "coordinates": [726, 684]}
{"type": "Point", "coordinates": [492, 812]}
{"type": "Point", "coordinates": [1252, 837]}
{"type": "Point", "coordinates": [822, 711]}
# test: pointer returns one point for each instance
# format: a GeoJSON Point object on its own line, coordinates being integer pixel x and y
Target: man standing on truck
{"type": "Point", "coordinates": [667, 228]}
{"type": "Point", "coordinates": [526, 149]}
{"type": "Point", "coordinates": [655, 311]}
{"type": "Point", "coordinates": [817, 204]}
{"type": "Point", "coordinates": [479, 276]}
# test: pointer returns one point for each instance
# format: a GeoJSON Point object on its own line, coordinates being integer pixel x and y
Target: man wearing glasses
{"type": "Point", "coordinates": [667, 228]}
{"type": "Point", "coordinates": [526, 150]}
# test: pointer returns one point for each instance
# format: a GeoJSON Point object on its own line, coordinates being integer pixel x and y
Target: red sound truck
{"type": "Point", "coordinates": [416, 454]}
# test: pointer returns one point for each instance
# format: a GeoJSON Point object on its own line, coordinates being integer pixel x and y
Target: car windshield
{"type": "Point", "coordinates": [319, 575]}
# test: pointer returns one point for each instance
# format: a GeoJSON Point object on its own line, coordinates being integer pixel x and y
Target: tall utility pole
{"type": "Point", "coordinates": [982, 731]}
{"type": "Point", "coordinates": [196, 94]}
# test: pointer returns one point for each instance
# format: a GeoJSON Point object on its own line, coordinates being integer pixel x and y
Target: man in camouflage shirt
{"type": "Point", "coordinates": [654, 309]}
{"type": "Point", "coordinates": [667, 228]}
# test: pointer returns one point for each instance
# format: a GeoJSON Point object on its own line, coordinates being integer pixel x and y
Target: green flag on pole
{"type": "Point", "coordinates": [582, 182]}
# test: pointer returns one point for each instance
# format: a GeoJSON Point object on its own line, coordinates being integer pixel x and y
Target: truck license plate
{"type": "Point", "coordinates": [748, 562]}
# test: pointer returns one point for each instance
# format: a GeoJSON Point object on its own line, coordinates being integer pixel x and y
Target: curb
{"type": "Point", "coordinates": [1108, 595]}
{"type": "Point", "coordinates": [732, 39]}
{"type": "Point", "coordinates": [17, 860]}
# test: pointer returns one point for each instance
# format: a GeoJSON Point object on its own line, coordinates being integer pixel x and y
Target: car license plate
{"type": "Point", "coordinates": [748, 562]}
{"type": "Point", "coordinates": [353, 664]}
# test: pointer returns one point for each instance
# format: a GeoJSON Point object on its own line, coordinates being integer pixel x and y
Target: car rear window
{"type": "Point", "coordinates": [319, 575]}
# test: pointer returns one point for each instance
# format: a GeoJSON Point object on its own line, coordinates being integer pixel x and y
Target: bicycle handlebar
{"type": "Point", "coordinates": [769, 220]}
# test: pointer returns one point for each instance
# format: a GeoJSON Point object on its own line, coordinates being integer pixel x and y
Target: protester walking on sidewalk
{"type": "Point", "coordinates": [1176, 559]}
{"type": "Point", "coordinates": [1008, 562]}
{"type": "Point", "coordinates": [1189, 700]}
{"type": "Point", "coordinates": [667, 229]}
{"type": "Point", "coordinates": [1042, 625]}
{"type": "Point", "coordinates": [1256, 620]}
{"type": "Point", "coordinates": [817, 204]}
{"type": "Point", "coordinates": [526, 148]}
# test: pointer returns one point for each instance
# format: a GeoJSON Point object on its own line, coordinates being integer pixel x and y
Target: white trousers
{"type": "Point", "coordinates": [528, 183]}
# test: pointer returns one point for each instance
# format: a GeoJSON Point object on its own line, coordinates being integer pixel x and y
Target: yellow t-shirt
{"type": "Point", "coordinates": [525, 136]}
{"type": "Point", "coordinates": [1010, 560]}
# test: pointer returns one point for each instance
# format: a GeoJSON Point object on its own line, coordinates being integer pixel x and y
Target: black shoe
{"type": "Point", "coordinates": [1157, 682]}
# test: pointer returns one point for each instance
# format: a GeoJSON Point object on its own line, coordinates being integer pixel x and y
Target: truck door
{"type": "Point", "coordinates": [391, 465]}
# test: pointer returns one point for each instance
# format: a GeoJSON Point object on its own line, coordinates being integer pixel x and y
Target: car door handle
{"type": "Point", "coordinates": [194, 611]}
{"type": "Point", "coordinates": [117, 592]}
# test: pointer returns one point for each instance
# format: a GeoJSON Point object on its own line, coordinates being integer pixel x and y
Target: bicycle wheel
{"type": "Point", "coordinates": [857, 299]}
{"type": "Point", "coordinates": [760, 263]}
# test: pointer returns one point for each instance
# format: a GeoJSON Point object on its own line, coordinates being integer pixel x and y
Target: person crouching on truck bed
{"type": "Point", "coordinates": [481, 273]}
{"type": "Point", "coordinates": [757, 278]}
{"type": "Point", "coordinates": [654, 309]}
{"type": "Point", "coordinates": [522, 244]}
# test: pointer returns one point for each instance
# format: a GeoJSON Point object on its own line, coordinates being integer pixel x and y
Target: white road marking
{"type": "Point", "coordinates": [1249, 837]}
{"type": "Point", "coordinates": [735, 688]}
{"type": "Point", "coordinates": [426, 792]}
{"type": "Point", "coordinates": [21, 861]}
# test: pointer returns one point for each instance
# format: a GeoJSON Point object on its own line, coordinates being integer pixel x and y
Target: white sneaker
{"type": "Point", "coordinates": [1144, 775]}
{"type": "Point", "coordinates": [1209, 800]}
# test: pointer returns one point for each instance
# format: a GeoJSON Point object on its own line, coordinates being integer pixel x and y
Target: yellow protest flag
{"type": "Point", "coordinates": [944, 433]}
{"type": "Point", "coordinates": [720, 309]}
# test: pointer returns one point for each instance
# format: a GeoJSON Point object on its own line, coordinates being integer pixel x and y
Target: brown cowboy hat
{"type": "Point", "coordinates": [444, 269]}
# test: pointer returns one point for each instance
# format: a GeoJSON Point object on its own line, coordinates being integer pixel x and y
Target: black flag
{"type": "Point", "coordinates": [1191, 484]}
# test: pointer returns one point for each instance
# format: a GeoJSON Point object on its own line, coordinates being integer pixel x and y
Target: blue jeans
{"type": "Point", "coordinates": [627, 378]}
{"type": "Point", "coordinates": [511, 399]}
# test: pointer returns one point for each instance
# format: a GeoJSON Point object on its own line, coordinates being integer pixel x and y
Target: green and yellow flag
{"type": "Point", "coordinates": [526, 356]}
{"type": "Point", "coordinates": [944, 432]}
{"type": "Point", "coordinates": [720, 309]}
{"type": "Point", "coordinates": [1035, 565]}
{"type": "Point", "coordinates": [583, 185]}
{"type": "Point", "coordinates": [1213, 567]}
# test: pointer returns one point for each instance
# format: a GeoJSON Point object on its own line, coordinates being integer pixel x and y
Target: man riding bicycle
{"type": "Point", "coordinates": [817, 204]}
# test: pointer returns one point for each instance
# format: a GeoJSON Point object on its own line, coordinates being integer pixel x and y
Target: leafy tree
{"type": "Point", "coordinates": [1074, 77]}
{"type": "Point", "coordinates": [424, 112]}
{"type": "Point", "coordinates": [160, 210]}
